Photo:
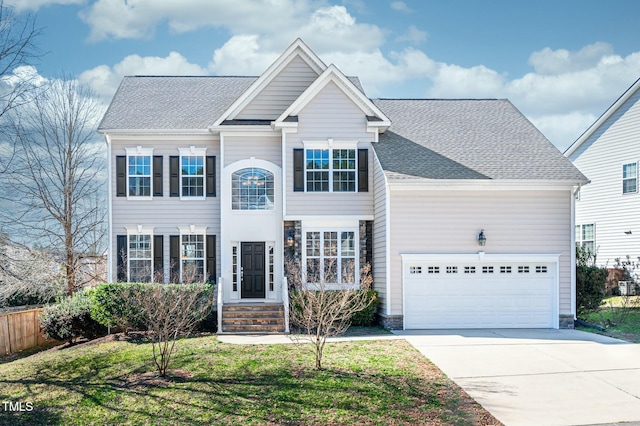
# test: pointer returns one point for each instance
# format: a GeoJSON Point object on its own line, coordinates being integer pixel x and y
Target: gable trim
{"type": "Point", "coordinates": [333, 74]}
{"type": "Point", "coordinates": [603, 118]}
{"type": "Point", "coordinates": [296, 49]}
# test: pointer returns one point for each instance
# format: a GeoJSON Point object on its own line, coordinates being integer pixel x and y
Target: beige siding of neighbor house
{"type": "Point", "coordinates": [330, 115]}
{"type": "Point", "coordinates": [602, 203]}
{"type": "Point", "coordinates": [380, 234]}
{"type": "Point", "coordinates": [280, 92]}
{"type": "Point", "coordinates": [448, 221]}
{"type": "Point", "coordinates": [165, 214]}
{"type": "Point", "coordinates": [261, 147]}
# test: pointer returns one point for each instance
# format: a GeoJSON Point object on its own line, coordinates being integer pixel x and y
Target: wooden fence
{"type": "Point", "coordinates": [20, 331]}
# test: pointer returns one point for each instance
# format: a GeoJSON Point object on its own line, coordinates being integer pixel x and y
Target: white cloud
{"type": "Point", "coordinates": [139, 18]}
{"type": "Point", "coordinates": [104, 80]}
{"type": "Point", "coordinates": [453, 81]}
{"type": "Point", "coordinates": [553, 62]}
{"type": "Point", "coordinates": [400, 6]}
{"type": "Point", "coordinates": [413, 35]}
{"type": "Point", "coordinates": [564, 129]}
{"type": "Point", "coordinates": [34, 5]}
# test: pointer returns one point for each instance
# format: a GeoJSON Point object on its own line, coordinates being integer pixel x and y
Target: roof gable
{"type": "Point", "coordinates": [603, 118]}
{"type": "Point", "coordinates": [291, 57]}
{"type": "Point", "coordinates": [333, 75]}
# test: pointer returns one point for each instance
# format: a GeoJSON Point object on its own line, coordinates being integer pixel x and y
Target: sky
{"type": "Point", "coordinates": [562, 63]}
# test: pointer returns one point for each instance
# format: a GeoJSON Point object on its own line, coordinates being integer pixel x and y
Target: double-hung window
{"type": "Point", "coordinates": [586, 237]}
{"type": "Point", "coordinates": [139, 172]}
{"type": "Point", "coordinates": [331, 257]}
{"type": "Point", "coordinates": [140, 258]}
{"type": "Point", "coordinates": [629, 178]}
{"type": "Point", "coordinates": [192, 172]}
{"type": "Point", "coordinates": [330, 170]}
{"type": "Point", "coordinates": [192, 256]}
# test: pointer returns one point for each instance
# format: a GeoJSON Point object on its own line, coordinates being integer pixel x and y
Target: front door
{"type": "Point", "coordinates": [253, 271]}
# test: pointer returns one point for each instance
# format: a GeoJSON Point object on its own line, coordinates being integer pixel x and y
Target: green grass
{"type": "Point", "coordinates": [609, 317]}
{"type": "Point", "coordinates": [371, 382]}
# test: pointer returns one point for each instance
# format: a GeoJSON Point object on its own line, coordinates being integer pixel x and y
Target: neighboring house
{"type": "Point", "coordinates": [607, 220]}
{"type": "Point", "coordinates": [462, 207]}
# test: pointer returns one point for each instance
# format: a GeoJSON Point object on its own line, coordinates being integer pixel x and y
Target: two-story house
{"type": "Point", "coordinates": [607, 220]}
{"type": "Point", "coordinates": [461, 207]}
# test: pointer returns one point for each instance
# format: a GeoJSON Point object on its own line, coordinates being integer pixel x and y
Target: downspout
{"type": "Point", "coordinates": [573, 250]}
{"type": "Point", "coordinates": [109, 211]}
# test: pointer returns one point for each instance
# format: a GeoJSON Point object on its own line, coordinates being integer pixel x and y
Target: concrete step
{"type": "Point", "coordinates": [253, 328]}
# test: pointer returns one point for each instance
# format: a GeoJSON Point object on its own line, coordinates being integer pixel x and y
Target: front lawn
{"type": "Point", "coordinates": [609, 316]}
{"type": "Point", "coordinates": [370, 382]}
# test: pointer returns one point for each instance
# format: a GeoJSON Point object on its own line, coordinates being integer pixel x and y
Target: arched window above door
{"type": "Point", "coordinates": [252, 189]}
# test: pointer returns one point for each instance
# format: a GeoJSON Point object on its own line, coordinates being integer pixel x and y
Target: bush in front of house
{"type": "Point", "coordinates": [366, 317]}
{"type": "Point", "coordinates": [113, 306]}
{"type": "Point", "coordinates": [590, 282]}
{"type": "Point", "coordinates": [70, 318]}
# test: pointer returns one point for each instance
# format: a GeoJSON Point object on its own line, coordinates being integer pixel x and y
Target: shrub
{"type": "Point", "coordinates": [70, 318]}
{"type": "Point", "coordinates": [113, 306]}
{"type": "Point", "coordinates": [590, 282]}
{"type": "Point", "coordinates": [366, 317]}
{"type": "Point", "coordinates": [171, 311]}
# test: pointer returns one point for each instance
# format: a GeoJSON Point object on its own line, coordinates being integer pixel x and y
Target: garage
{"type": "Point", "coordinates": [480, 291]}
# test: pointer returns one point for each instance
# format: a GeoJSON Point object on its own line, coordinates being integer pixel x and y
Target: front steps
{"type": "Point", "coordinates": [253, 318]}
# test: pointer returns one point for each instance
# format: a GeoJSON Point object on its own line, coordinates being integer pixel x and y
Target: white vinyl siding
{"type": "Point", "coordinates": [600, 159]}
{"type": "Point", "coordinates": [348, 123]}
{"type": "Point", "coordinates": [165, 213]}
{"type": "Point", "coordinates": [380, 234]}
{"type": "Point", "coordinates": [285, 88]}
{"type": "Point", "coordinates": [449, 221]}
{"type": "Point", "coordinates": [262, 147]}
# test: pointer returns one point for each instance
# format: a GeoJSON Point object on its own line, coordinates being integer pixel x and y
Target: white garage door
{"type": "Point", "coordinates": [479, 294]}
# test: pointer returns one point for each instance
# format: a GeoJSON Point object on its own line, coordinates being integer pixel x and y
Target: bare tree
{"type": "Point", "coordinates": [18, 34]}
{"type": "Point", "coordinates": [27, 275]}
{"type": "Point", "coordinates": [56, 180]}
{"type": "Point", "coordinates": [170, 311]}
{"type": "Point", "coordinates": [322, 305]}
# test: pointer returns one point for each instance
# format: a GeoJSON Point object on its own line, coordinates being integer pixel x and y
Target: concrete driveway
{"type": "Point", "coordinates": [539, 377]}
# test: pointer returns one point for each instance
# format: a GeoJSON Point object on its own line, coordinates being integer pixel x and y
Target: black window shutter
{"type": "Point", "coordinates": [211, 176]}
{"type": "Point", "coordinates": [174, 176]}
{"type": "Point", "coordinates": [121, 176]}
{"type": "Point", "coordinates": [158, 258]}
{"type": "Point", "coordinates": [174, 257]}
{"type": "Point", "coordinates": [157, 176]}
{"type": "Point", "coordinates": [363, 170]}
{"type": "Point", "coordinates": [211, 258]}
{"type": "Point", "coordinates": [298, 170]}
{"type": "Point", "coordinates": [121, 255]}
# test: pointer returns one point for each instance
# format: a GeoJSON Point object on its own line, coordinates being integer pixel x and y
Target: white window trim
{"type": "Point", "coordinates": [634, 178]}
{"type": "Point", "coordinates": [140, 151]}
{"type": "Point", "coordinates": [194, 230]}
{"type": "Point", "coordinates": [356, 236]}
{"type": "Point", "coordinates": [139, 230]}
{"type": "Point", "coordinates": [330, 145]}
{"type": "Point", "coordinates": [581, 241]}
{"type": "Point", "coordinates": [193, 151]}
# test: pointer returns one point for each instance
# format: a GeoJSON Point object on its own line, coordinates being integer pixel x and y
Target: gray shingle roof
{"type": "Point", "coordinates": [466, 139]}
{"type": "Point", "coordinates": [178, 103]}
{"type": "Point", "coordinates": [171, 102]}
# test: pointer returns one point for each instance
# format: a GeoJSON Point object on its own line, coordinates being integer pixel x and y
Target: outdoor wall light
{"type": "Point", "coordinates": [290, 241]}
{"type": "Point", "coordinates": [482, 239]}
